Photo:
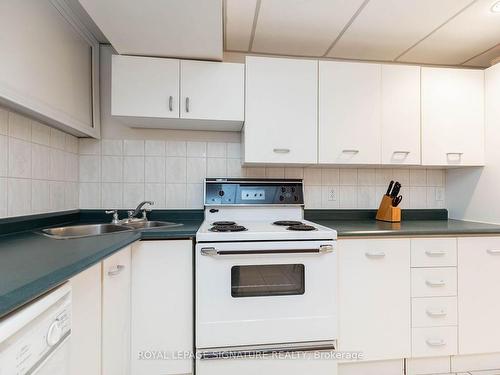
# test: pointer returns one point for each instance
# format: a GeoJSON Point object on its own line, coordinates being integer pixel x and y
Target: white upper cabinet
{"type": "Point", "coordinates": [145, 87]}
{"type": "Point", "coordinates": [49, 65]}
{"type": "Point", "coordinates": [400, 114]}
{"type": "Point", "coordinates": [212, 91]}
{"type": "Point", "coordinates": [452, 116]}
{"type": "Point", "coordinates": [281, 111]}
{"type": "Point", "coordinates": [154, 92]}
{"type": "Point", "coordinates": [349, 112]}
{"type": "Point", "coordinates": [173, 28]}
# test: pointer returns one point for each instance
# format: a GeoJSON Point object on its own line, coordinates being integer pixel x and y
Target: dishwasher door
{"type": "Point", "coordinates": [35, 339]}
{"type": "Point", "coordinates": [57, 363]}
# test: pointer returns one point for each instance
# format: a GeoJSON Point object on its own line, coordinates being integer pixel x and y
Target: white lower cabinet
{"type": "Point", "coordinates": [162, 307]}
{"type": "Point", "coordinates": [478, 298]}
{"type": "Point", "coordinates": [425, 366]}
{"type": "Point", "coordinates": [394, 367]}
{"type": "Point", "coordinates": [116, 313]}
{"type": "Point", "coordinates": [86, 322]}
{"type": "Point", "coordinates": [374, 297]}
{"type": "Point", "coordinates": [298, 366]}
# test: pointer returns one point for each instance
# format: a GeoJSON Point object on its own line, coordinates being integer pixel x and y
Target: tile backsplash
{"type": "Point", "coordinates": [121, 173]}
{"type": "Point", "coordinates": [38, 167]}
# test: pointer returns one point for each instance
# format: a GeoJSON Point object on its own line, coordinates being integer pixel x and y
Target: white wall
{"type": "Point", "coordinates": [38, 167]}
{"type": "Point", "coordinates": [472, 194]}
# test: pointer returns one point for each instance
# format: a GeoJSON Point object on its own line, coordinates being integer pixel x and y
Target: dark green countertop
{"type": "Point", "coordinates": [374, 228]}
{"type": "Point", "coordinates": [32, 264]}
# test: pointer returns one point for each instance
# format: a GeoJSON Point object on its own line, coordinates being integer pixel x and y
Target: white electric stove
{"type": "Point", "coordinates": [266, 279]}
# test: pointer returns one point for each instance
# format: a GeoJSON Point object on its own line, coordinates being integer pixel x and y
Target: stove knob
{"type": "Point", "coordinates": [282, 198]}
{"type": "Point", "coordinates": [283, 189]}
{"type": "Point", "coordinates": [221, 193]}
{"type": "Point", "coordinates": [293, 189]}
{"type": "Point", "coordinates": [295, 198]}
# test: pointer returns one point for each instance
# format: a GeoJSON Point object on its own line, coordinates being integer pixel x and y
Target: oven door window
{"type": "Point", "coordinates": [267, 280]}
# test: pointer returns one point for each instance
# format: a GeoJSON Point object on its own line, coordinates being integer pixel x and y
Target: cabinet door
{"type": "Point", "coordinates": [145, 87]}
{"type": "Point", "coordinates": [281, 111]}
{"type": "Point", "coordinates": [374, 297]}
{"type": "Point", "coordinates": [86, 322]}
{"type": "Point", "coordinates": [349, 113]}
{"type": "Point", "coordinates": [212, 90]}
{"type": "Point", "coordinates": [49, 66]}
{"type": "Point", "coordinates": [452, 116]}
{"type": "Point", "coordinates": [478, 302]}
{"type": "Point", "coordinates": [116, 314]}
{"type": "Point", "coordinates": [400, 114]}
{"type": "Point", "coordinates": [162, 305]}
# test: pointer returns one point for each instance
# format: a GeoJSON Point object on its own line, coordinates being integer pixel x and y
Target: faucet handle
{"type": "Point", "coordinates": [115, 215]}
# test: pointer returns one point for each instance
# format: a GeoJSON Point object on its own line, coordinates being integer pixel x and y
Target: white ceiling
{"type": "Point", "coordinates": [447, 32]}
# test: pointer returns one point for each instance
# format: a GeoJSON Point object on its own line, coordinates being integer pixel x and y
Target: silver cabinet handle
{"type": "Point", "coordinates": [350, 151]}
{"type": "Point", "coordinates": [493, 252]}
{"type": "Point", "coordinates": [375, 254]}
{"type": "Point", "coordinates": [435, 253]}
{"type": "Point", "coordinates": [436, 313]}
{"type": "Point", "coordinates": [401, 152]}
{"type": "Point", "coordinates": [171, 103]}
{"type": "Point", "coordinates": [435, 283]}
{"type": "Point", "coordinates": [435, 342]}
{"type": "Point", "coordinates": [455, 153]}
{"type": "Point", "coordinates": [281, 150]}
{"type": "Point", "coordinates": [187, 103]}
{"type": "Point", "coordinates": [116, 270]}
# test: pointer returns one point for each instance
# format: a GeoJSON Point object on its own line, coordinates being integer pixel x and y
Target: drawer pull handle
{"type": "Point", "coordinates": [375, 254]}
{"type": "Point", "coordinates": [350, 151]}
{"type": "Point", "coordinates": [401, 152]}
{"type": "Point", "coordinates": [116, 270]}
{"type": "Point", "coordinates": [435, 253]}
{"type": "Point", "coordinates": [281, 150]}
{"type": "Point", "coordinates": [436, 313]}
{"type": "Point", "coordinates": [493, 252]}
{"type": "Point", "coordinates": [435, 283]}
{"type": "Point", "coordinates": [435, 343]}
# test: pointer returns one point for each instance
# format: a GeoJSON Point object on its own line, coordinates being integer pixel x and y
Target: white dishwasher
{"type": "Point", "coordinates": [35, 339]}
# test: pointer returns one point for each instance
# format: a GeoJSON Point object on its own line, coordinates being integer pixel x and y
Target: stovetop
{"type": "Point", "coordinates": [256, 230]}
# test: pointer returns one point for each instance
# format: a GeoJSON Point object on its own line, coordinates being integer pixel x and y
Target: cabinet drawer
{"type": "Point", "coordinates": [435, 341]}
{"type": "Point", "coordinates": [434, 311]}
{"type": "Point", "coordinates": [433, 282]}
{"type": "Point", "coordinates": [433, 252]}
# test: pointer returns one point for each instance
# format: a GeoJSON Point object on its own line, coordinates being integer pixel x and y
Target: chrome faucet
{"type": "Point", "coordinates": [133, 213]}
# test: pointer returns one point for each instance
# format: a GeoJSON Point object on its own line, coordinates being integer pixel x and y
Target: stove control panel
{"type": "Point", "coordinates": [253, 192]}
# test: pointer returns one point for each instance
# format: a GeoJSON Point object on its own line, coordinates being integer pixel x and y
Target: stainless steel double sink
{"type": "Point", "coordinates": [89, 230]}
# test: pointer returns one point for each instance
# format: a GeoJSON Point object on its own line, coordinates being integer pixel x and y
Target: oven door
{"type": "Point", "coordinates": [251, 293]}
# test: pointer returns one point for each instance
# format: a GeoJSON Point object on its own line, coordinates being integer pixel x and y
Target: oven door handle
{"type": "Point", "coordinates": [212, 251]}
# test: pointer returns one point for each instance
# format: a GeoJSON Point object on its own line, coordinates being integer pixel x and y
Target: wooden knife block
{"type": "Point", "coordinates": [388, 213]}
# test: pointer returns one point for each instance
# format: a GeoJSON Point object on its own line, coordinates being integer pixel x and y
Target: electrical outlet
{"type": "Point", "coordinates": [332, 194]}
{"type": "Point", "coordinates": [439, 194]}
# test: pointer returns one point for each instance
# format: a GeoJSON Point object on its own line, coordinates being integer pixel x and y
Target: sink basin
{"type": "Point", "coordinates": [151, 224]}
{"type": "Point", "coordinates": [78, 231]}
